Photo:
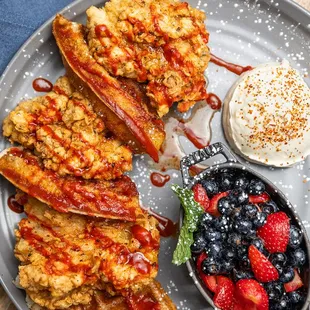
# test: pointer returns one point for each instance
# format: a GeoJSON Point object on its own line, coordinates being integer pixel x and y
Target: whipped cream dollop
{"type": "Point", "coordinates": [266, 115]}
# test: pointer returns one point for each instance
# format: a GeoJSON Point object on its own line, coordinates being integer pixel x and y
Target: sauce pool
{"type": "Point", "coordinates": [42, 85]}
{"type": "Point", "coordinates": [165, 226]}
{"type": "Point", "coordinates": [14, 205]}
{"type": "Point", "coordinates": [229, 66]}
{"type": "Point", "coordinates": [159, 179]}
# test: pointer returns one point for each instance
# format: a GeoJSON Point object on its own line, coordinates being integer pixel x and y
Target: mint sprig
{"type": "Point", "coordinates": [192, 213]}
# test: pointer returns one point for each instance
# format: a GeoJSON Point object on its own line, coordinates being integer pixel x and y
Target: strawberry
{"type": "Point", "coordinates": [276, 232]}
{"type": "Point", "coordinates": [224, 294]}
{"type": "Point", "coordinates": [295, 284]}
{"type": "Point", "coordinates": [200, 196]}
{"type": "Point", "coordinates": [263, 270]}
{"type": "Point", "coordinates": [213, 204]}
{"type": "Point", "coordinates": [238, 305]}
{"type": "Point", "coordinates": [209, 281]}
{"type": "Point", "coordinates": [264, 197]}
{"type": "Point", "coordinates": [251, 295]}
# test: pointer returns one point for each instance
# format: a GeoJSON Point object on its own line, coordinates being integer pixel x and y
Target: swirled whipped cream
{"type": "Point", "coordinates": [266, 115]}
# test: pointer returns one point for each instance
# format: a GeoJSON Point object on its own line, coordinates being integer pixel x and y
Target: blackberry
{"type": "Point", "coordinates": [241, 181]}
{"type": "Point", "coordinates": [242, 226]}
{"type": "Point", "coordinates": [210, 266]}
{"type": "Point", "coordinates": [222, 223]}
{"type": "Point", "coordinates": [212, 235]}
{"type": "Point", "coordinates": [274, 290]}
{"type": "Point", "coordinates": [239, 196]}
{"type": "Point", "coordinates": [225, 181]}
{"type": "Point", "coordinates": [249, 211]}
{"type": "Point", "coordinates": [225, 206]}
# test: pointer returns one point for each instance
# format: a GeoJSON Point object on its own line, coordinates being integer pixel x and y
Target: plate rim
{"type": "Point", "coordinates": [291, 4]}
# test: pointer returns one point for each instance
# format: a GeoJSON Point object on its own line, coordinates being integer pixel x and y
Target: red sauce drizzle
{"type": "Point", "coordinates": [214, 101]}
{"type": "Point", "coordinates": [199, 142]}
{"type": "Point", "coordinates": [42, 85]}
{"type": "Point", "coordinates": [229, 66]}
{"type": "Point", "coordinates": [141, 302]}
{"type": "Point", "coordinates": [139, 262]}
{"type": "Point", "coordinates": [14, 205]}
{"type": "Point", "coordinates": [144, 236]}
{"type": "Point", "coordinates": [159, 179]}
{"type": "Point", "coordinates": [165, 226]}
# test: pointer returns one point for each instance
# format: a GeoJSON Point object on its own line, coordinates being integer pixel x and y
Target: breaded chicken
{"type": "Point", "coordinates": [64, 131]}
{"type": "Point", "coordinates": [116, 199]}
{"type": "Point", "coordinates": [161, 42]}
{"type": "Point", "coordinates": [65, 257]}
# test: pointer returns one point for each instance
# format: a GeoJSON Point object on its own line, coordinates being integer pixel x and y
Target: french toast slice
{"type": "Point", "coordinates": [122, 112]}
{"type": "Point", "coordinates": [117, 199]}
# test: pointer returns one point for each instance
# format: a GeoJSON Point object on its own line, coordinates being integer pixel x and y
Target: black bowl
{"type": "Point", "coordinates": [232, 164]}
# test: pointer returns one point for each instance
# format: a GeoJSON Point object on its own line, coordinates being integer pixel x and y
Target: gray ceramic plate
{"type": "Point", "coordinates": [247, 32]}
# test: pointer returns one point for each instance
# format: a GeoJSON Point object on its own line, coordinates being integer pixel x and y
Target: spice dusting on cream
{"type": "Point", "coordinates": [266, 115]}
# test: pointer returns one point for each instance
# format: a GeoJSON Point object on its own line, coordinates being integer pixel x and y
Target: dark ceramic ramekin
{"type": "Point", "coordinates": [232, 164]}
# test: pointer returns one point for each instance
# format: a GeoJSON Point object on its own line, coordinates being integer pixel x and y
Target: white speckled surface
{"type": "Point", "coordinates": [246, 32]}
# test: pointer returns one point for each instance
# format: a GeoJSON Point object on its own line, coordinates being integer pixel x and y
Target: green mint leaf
{"type": "Point", "coordinates": [192, 213]}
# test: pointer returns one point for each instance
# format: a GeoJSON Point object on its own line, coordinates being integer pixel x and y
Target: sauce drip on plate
{"type": "Point", "coordinates": [165, 226]}
{"type": "Point", "coordinates": [14, 205]}
{"type": "Point", "coordinates": [159, 179]}
{"type": "Point", "coordinates": [42, 85]}
{"type": "Point", "coordinates": [229, 66]}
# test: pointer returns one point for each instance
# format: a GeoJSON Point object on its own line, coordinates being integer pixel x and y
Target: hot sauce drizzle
{"type": "Point", "coordinates": [229, 66]}
{"type": "Point", "coordinates": [42, 85]}
{"type": "Point", "coordinates": [14, 205]}
{"type": "Point", "coordinates": [159, 179]}
{"type": "Point", "coordinates": [165, 226]}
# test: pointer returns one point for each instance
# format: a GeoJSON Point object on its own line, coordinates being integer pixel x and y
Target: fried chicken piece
{"type": "Point", "coordinates": [65, 132]}
{"type": "Point", "coordinates": [125, 115]}
{"type": "Point", "coordinates": [117, 199]}
{"type": "Point", "coordinates": [65, 257]}
{"type": "Point", "coordinates": [162, 42]}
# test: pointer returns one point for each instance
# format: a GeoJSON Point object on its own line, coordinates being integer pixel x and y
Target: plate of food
{"type": "Point", "coordinates": [99, 108]}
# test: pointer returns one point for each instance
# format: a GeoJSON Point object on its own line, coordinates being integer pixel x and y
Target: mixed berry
{"type": "Point", "coordinates": [246, 250]}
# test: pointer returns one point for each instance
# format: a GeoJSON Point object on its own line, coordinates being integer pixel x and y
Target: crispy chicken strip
{"type": "Point", "coordinates": [117, 199]}
{"type": "Point", "coordinates": [125, 116]}
{"type": "Point", "coordinates": [65, 132]}
{"type": "Point", "coordinates": [65, 257]}
{"type": "Point", "coordinates": [161, 42]}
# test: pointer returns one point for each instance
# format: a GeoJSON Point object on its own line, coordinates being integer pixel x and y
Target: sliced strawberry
{"type": "Point", "coordinates": [238, 305]}
{"type": "Point", "coordinates": [253, 293]}
{"type": "Point", "coordinates": [276, 232]}
{"type": "Point", "coordinates": [200, 195]}
{"type": "Point", "coordinates": [209, 281]}
{"type": "Point", "coordinates": [295, 284]}
{"type": "Point", "coordinates": [264, 197]}
{"type": "Point", "coordinates": [214, 202]}
{"type": "Point", "coordinates": [263, 270]}
{"type": "Point", "coordinates": [224, 295]}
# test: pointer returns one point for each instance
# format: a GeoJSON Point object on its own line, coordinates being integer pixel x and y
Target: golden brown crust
{"type": "Point", "coordinates": [65, 132]}
{"type": "Point", "coordinates": [105, 92]}
{"type": "Point", "coordinates": [117, 199]}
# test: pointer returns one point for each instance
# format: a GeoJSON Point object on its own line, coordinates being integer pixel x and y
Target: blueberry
{"type": "Point", "coordinates": [234, 239]}
{"type": "Point", "coordinates": [280, 304]}
{"type": "Point", "coordinates": [256, 187]}
{"type": "Point", "coordinates": [297, 257]}
{"type": "Point", "coordinates": [244, 263]}
{"type": "Point", "coordinates": [210, 266]}
{"type": "Point", "coordinates": [222, 223]}
{"type": "Point", "coordinates": [258, 243]}
{"type": "Point", "coordinates": [199, 243]}
{"type": "Point", "coordinates": [259, 219]}
{"type": "Point", "coordinates": [242, 226]}
{"type": "Point", "coordinates": [225, 206]}
{"type": "Point", "coordinates": [249, 211]}
{"type": "Point", "coordinates": [242, 274]}
{"type": "Point", "coordinates": [230, 253]}
{"type": "Point", "coordinates": [226, 181]}
{"type": "Point", "coordinates": [214, 249]}
{"type": "Point", "coordinates": [295, 237]}
{"type": "Point", "coordinates": [287, 275]}
{"type": "Point", "coordinates": [295, 297]}
{"type": "Point", "coordinates": [210, 186]}
{"type": "Point", "coordinates": [251, 235]}
{"type": "Point", "coordinates": [269, 207]}
{"type": "Point", "coordinates": [227, 266]}
{"type": "Point", "coordinates": [212, 235]}
{"type": "Point", "coordinates": [241, 181]}
{"type": "Point", "coordinates": [236, 213]}
{"type": "Point", "coordinates": [224, 236]}
{"type": "Point", "coordinates": [206, 220]}
{"type": "Point", "coordinates": [239, 196]}
{"type": "Point", "coordinates": [278, 259]}
{"type": "Point", "coordinates": [242, 250]}
{"type": "Point", "coordinates": [274, 290]}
